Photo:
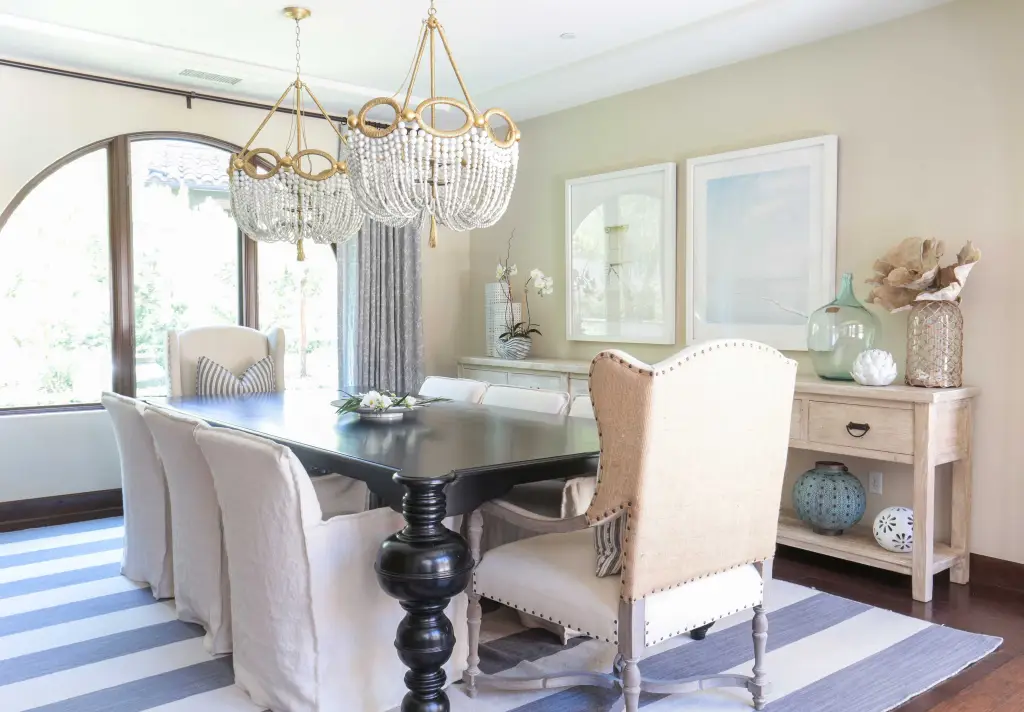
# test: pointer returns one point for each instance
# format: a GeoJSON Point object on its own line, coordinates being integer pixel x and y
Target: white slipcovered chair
{"type": "Point", "coordinates": [313, 631]}
{"type": "Point", "coordinates": [201, 590]}
{"type": "Point", "coordinates": [236, 348]}
{"type": "Point", "coordinates": [147, 556]}
{"type": "Point", "coordinates": [693, 453]}
{"type": "Point", "coordinates": [535, 399]}
{"type": "Point", "coordinates": [457, 389]}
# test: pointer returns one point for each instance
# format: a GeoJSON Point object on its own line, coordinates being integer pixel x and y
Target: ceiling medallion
{"type": "Point", "coordinates": [463, 178]}
{"type": "Point", "coordinates": [277, 198]}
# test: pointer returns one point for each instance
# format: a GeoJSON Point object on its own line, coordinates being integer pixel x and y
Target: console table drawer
{"type": "Point", "coordinates": [861, 426]}
{"type": "Point", "coordinates": [536, 380]}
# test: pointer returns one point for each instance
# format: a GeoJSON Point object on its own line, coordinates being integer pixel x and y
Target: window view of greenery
{"type": "Point", "coordinates": [302, 298]}
{"type": "Point", "coordinates": [185, 249]}
{"type": "Point", "coordinates": [55, 290]}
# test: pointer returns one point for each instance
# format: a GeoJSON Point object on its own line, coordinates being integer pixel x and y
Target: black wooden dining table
{"type": "Point", "coordinates": [444, 460]}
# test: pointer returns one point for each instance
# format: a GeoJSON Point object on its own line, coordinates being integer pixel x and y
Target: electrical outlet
{"type": "Point", "coordinates": [875, 482]}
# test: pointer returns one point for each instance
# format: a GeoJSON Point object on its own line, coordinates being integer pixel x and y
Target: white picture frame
{"type": "Point", "coordinates": [620, 256]}
{"type": "Point", "coordinates": [761, 241]}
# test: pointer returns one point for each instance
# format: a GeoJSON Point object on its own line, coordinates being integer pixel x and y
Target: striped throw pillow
{"type": "Point", "coordinates": [608, 543]}
{"type": "Point", "coordinates": [212, 379]}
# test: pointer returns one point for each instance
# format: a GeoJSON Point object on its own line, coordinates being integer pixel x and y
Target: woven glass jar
{"type": "Point", "coordinates": [935, 345]}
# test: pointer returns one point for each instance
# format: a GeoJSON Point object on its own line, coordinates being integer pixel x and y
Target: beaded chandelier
{"type": "Point", "coordinates": [463, 178]}
{"type": "Point", "coordinates": [278, 198]}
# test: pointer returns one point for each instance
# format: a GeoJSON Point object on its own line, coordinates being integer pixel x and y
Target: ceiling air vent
{"type": "Point", "coordinates": [209, 76]}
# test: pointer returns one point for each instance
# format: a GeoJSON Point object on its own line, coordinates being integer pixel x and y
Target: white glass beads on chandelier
{"type": "Point", "coordinates": [463, 178]}
{"type": "Point", "coordinates": [278, 198]}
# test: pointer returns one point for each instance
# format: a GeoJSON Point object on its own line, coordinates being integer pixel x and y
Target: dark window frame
{"type": "Point", "coordinates": [122, 302]}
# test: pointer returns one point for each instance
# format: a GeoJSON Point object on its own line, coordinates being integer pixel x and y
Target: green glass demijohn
{"type": "Point", "coordinates": [838, 332]}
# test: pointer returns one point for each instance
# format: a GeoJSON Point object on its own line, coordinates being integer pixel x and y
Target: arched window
{"type": "Point", "coordinates": [55, 337]}
{"type": "Point", "coordinates": [109, 248]}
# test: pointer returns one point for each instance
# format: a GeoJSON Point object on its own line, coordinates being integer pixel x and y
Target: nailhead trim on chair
{"type": "Point", "coordinates": [688, 628]}
{"type": "Point", "coordinates": [544, 617]}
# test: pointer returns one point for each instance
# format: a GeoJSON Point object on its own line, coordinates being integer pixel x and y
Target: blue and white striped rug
{"type": "Point", "coordinates": [77, 637]}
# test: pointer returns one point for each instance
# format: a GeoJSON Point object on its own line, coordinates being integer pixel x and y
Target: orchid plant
{"type": "Point", "coordinates": [538, 281]}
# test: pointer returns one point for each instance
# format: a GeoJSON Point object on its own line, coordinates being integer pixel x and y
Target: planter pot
{"type": "Point", "coordinates": [515, 349]}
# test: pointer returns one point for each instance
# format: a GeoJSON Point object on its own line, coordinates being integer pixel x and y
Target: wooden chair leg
{"type": "Point", "coordinates": [759, 685]}
{"type": "Point", "coordinates": [631, 685]}
{"type": "Point", "coordinates": [474, 612]}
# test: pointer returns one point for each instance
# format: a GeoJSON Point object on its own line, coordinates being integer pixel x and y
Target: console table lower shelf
{"type": "Point", "coordinates": [859, 546]}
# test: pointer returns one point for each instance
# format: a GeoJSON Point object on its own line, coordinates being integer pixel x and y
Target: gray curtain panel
{"type": "Point", "coordinates": [380, 323]}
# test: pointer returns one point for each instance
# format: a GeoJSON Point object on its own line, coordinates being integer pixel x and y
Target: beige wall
{"type": "Point", "coordinates": [930, 115]}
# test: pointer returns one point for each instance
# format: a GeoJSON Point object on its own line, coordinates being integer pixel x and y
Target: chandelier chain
{"type": "Point", "coordinates": [298, 50]}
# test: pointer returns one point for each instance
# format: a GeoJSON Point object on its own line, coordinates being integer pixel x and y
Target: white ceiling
{"type": "Point", "coordinates": [510, 52]}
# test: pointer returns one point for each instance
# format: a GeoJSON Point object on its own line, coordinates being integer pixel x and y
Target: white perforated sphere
{"type": "Point", "coordinates": [894, 529]}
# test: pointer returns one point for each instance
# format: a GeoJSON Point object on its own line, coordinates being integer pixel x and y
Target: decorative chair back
{"type": "Point", "coordinates": [535, 399]}
{"type": "Point", "coordinates": [456, 389]}
{"type": "Point", "coordinates": [236, 348]}
{"type": "Point", "coordinates": [694, 450]}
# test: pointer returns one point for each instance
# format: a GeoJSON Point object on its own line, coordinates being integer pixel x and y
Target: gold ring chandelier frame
{"type": "Point", "coordinates": [277, 198]}
{"type": "Point", "coordinates": [463, 177]}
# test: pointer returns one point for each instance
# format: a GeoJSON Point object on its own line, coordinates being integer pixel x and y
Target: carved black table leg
{"type": "Point", "coordinates": [424, 566]}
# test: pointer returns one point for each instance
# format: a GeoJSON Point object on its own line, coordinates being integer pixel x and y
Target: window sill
{"type": "Point", "coordinates": [43, 409]}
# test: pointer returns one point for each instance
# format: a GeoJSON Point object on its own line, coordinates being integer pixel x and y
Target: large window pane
{"type": "Point", "coordinates": [185, 249]}
{"type": "Point", "coordinates": [302, 298]}
{"type": "Point", "coordinates": [55, 290]}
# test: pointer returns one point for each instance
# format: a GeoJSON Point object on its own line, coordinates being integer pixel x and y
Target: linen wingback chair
{"type": "Point", "coordinates": [233, 347]}
{"type": "Point", "coordinates": [147, 554]}
{"type": "Point", "coordinates": [693, 453]}
{"type": "Point", "coordinates": [313, 631]}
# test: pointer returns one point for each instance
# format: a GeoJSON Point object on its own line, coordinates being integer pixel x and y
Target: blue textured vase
{"type": "Point", "coordinates": [829, 498]}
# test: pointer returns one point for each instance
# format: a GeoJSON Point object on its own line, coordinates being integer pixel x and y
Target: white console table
{"type": "Point", "coordinates": [922, 427]}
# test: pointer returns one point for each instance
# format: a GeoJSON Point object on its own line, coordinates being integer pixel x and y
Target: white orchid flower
{"type": "Point", "coordinates": [536, 275]}
{"type": "Point", "coordinates": [408, 402]}
{"type": "Point", "coordinates": [513, 271]}
{"type": "Point", "coordinates": [375, 401]}
{"type": "Point", "coordinates": [499, 274]}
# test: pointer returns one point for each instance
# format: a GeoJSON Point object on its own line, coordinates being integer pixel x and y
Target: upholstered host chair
{"type": "Point", "coordinates": [456, 389]}
{"type": "Point", "coordinates": [147, 554]}
{"type": "Point", "coordinates": [236, 348]}
{"type": "Point", "coordinates": [313, 631]}
{"type": "Point", "coordinates": [201, 591]}
{"type": "Point", "coordinates": [693, 452]}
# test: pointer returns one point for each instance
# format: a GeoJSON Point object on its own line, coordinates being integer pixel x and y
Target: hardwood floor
{"type": "Point", "coordinates": [996, 684]}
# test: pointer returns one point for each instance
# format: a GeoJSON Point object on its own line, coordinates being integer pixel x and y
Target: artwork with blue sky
{"type": "Point", "coordinates": [758, 229]}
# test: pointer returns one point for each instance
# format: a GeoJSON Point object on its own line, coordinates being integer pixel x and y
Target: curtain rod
{"type": "Point", "coordinates": [184, 93]}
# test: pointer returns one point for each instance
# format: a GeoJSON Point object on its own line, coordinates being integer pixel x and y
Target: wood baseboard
{"type": "Point", "coordinates": [47, 511]}
{"type": "Point", "coordinates": [988, 571]}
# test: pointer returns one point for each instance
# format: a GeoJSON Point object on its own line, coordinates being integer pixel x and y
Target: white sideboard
{"type": "Point", "coordinates": [922, 427]}
{"type": "Point", "coordinates": [551, 374]}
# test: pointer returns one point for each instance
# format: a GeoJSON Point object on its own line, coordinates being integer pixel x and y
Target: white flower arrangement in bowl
{"type": "Point", "coordinates": [382, 405]}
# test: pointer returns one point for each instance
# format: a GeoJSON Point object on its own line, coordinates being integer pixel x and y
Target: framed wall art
{"type": "Point", "coordinates": [761, 241]}
{"type": "Point", "coordinates": [620, 256]}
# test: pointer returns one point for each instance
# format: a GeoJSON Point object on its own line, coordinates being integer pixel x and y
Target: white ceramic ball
{"type": "Point", "coordinates": [874, 367]}
{"type": "Point", "coordinates": [894, 529]}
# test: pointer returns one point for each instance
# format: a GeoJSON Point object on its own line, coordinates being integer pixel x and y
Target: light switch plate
{"type": "Point", "coordinates": [875, 480]}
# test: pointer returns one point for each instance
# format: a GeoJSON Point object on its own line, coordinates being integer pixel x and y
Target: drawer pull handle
{"type": "Point", "coordinates": [857, 430]}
